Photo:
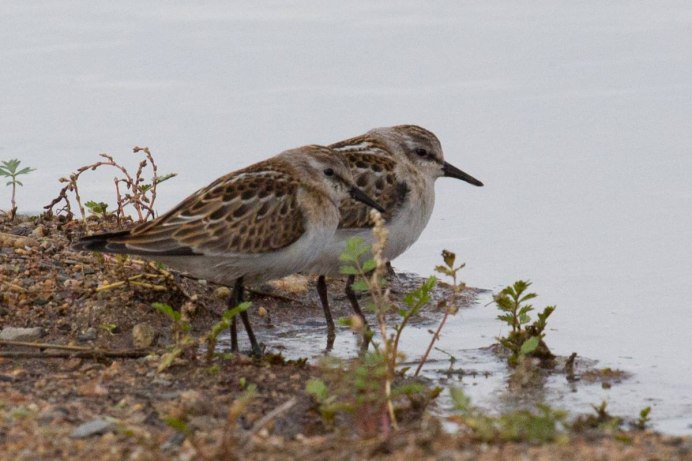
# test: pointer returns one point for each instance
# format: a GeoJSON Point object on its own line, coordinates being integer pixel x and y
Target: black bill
{"type": "Point", "coordinates": [453, 172]}
{"type": "Point", "coordinates": [359, 195]}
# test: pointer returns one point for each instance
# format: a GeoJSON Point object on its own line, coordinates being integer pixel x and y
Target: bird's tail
{"type": "Point", "coordinates": [102, 242]}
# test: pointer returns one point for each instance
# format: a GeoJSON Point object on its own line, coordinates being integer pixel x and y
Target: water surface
{"type": "Point", "coordinates": [576, 115]}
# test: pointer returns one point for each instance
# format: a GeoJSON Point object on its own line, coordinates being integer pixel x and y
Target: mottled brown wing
{"type": "Point", "coordinates": [374, 174]}
{"type": "Point", "coordinates": [250, 211]}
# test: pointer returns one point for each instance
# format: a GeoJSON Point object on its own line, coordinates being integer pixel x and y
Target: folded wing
{"type": "Point", "coordinates": [248, 212]}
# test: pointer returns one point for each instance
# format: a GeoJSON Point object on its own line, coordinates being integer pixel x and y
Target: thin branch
{"type": "Point", "coordinates": [96, 353]}
{"type": "Point", "coordinates": [266, 419]}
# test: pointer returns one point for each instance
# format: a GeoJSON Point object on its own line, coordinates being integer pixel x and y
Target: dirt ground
{"type": "Point", "coordinates": [80, 404]}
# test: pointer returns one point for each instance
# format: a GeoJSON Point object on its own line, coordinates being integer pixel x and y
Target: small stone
{"type": "Point", "coordinates": [143, 335]}
{"type": "Point", "coordinates": [195, 403]}
{"type": "Point", "coordinates": [72, 364]}
{"type": "Point", "coordinates": [21, 334]}
{"type": "Point", "coordinates": [23, 242]}
{"type": "Point", "coordinates": [93, 427]}
{"type": "Point", "coordinates": [262, 312]}
{"type": "Point", "coordinates": [88, 335]}
{"type": "Point", "coordinates": [173, 442]}
{"type": "Point", "coordinates": [222, 293]}
{"type": "Point", "coordinates": [39, 231]}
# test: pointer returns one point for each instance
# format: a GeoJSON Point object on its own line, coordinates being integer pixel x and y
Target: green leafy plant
{"type": "Point", "coordinates": [97, 208]}
{"type": "Point", "coordinates": [367, 387]}
{"type": "Point", "coordinates": [601, 420]}
{"type": "Point", "coordinates": [222, 325]}
{"type": "Point", "coordinates": [180, 328]}
{"type": "Point", "coordinates": [110, 328]}
{"type": "Point", "coordinates": [356, 388]}
{"type": "Point", "coordinates": [644, 419]}
{"type": "Point", "coordinates": [525, 339]}
{"type": "Point", "coordinates": [542, 424]}
{"type": "Point", "coordinates": [10, 169]}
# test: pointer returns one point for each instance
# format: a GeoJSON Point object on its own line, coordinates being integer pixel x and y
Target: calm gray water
{"type": "Point", "coordinates": [576, 115]}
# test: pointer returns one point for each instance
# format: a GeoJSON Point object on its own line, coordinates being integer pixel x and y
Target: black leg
{"type": "Point", "coordinates": [233, 301]}
{"type": "Point", "coordinates": [331, 329]}
{"type": "Point", "coordinates": [256, 350]}
{"type": "Point", "coordinates": [351, 295]}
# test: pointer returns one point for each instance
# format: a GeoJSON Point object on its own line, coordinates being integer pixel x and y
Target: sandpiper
{"type": "Point", "coordinates": [397, 166]}
{"type": "Point", "coordinates": [259, 223]}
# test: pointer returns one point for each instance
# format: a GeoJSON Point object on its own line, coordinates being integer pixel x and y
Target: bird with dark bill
{"type": "Point", "coordinates": [263, 222]}
{"type": "Point", "coordinates": [397, 166]}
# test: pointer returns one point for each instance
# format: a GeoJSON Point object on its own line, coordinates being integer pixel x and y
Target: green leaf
{"type": "Point", "coordinates": [344, 321]}
{"type": "Point", "coordinates": [529, 345]}
{"type": "Point", "coordinates": [318, 389]}
{"type": "Point", "coordinates": [242, 307]}
{"type": "Point", "coordinates": [167, 310]}
{"type": "Point", "coordinates": [461, 401]}
{"type": "Point", "coordinates": [360, 286]}
{"type": "Point", "coordinates": [165, 177]}
{"type": "Point", "coordinates": [448, 257]}
{"type": "Point", "coordinates": [25, 170]}
{"type": "Point", "coordinates": [348, 270]}
{"type": "Point", "coordinates": [369, 265]}
{"type": "Point", "coordinates": [355, 248]}
{"type": "Point", "coordinates": [177, 424]}
{"type": "Point", "coordinates": [168, 358]}
{"type": "Point", "coordinates": [507, 318]}
{"type": "Point", "coordinates": [444, 270]}
{"type": "Point", "coordinates": [527, 297]}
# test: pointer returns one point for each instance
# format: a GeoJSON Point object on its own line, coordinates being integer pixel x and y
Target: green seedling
{"type": "Point", "coordinates": [525, 339]}
{"type": "Point", "coordinates": [178, 326]}
{"type": "Point", "coordinates": [365, 387]}
{"type": "Point", "coordinates": [644, 419]}
{"type": "Point", "coordinates": [180, 331]}
{"type": "Point", "coordinates": [222, 325]}
{"type": "Point", "coordinates": [600, 421]}
{"type": "Point", "coordinates": [10, 169]}
{"type": "Point", "coordinates": [542, 424]}
{"type": "Point", "coordinates": [98, 209]}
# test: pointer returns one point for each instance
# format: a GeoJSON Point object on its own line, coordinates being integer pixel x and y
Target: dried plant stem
{"type": "Point", "coordinates": [65, 347]}
{"type": "Point", "coordinates": [383, 305]}
{"type": "Point", "coordinates": [134, 193]}
{"type": "Point", "coordinates": [451, 305]}
{"type": "Point", "coordinates": [266, 419]}
{"type": "Point", "coordinates": [70, 351]}
{"type": "Point", "coordinates": [95, 353]}
{"type": "Point", "coordinates": [435, 337]}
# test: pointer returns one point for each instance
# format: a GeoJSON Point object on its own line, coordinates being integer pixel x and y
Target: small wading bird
{"type": "Point", "coordinates": [397, 166]}
{"type": "Point", "coordinates": [260, 223]}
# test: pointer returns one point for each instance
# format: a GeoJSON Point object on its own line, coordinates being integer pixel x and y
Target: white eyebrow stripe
{"type": "Point", "coordinates": [362, 146]}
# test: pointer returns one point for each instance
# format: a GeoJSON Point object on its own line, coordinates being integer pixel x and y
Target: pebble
{"type": "Point", "coordinates": [93, 427]}
{"type": "Point", "coordinates": [39, 231]}
{"type": "Point", "coordinates": [21, 334]}
{"type": "Point", "coordinates": [88, 335]}
{"type": "Point", "coordinates": [143, 335]}
{"type": "Point", "coordinates": [222, 293]}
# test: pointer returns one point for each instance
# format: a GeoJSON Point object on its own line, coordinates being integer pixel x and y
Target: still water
{"type": "Point", "coordinates": [576, 115]}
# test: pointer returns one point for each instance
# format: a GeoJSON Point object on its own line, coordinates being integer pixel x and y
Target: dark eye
{"type": "Point", "coordinates": [329, 172]}
{"type": "Point", "coordinates": [421, 152]}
